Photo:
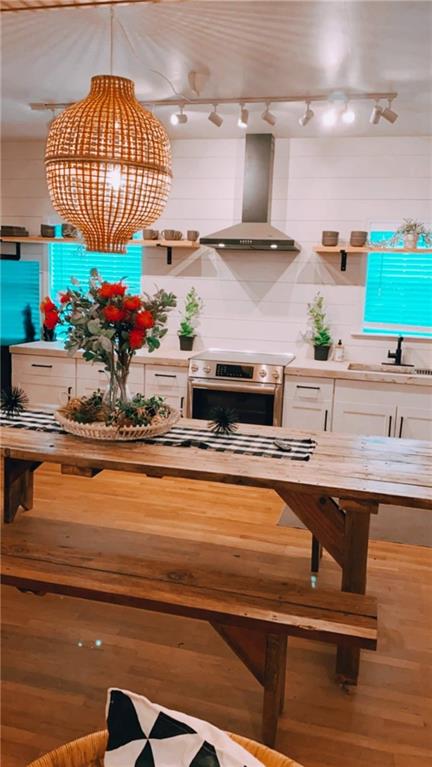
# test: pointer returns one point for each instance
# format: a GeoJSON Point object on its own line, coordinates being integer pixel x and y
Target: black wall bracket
{"type": "Point", "coordinates": [343, 261]}
{"type": "Point", "coordinates": [168, 253]}
{"type": "Point", "coordinates": [12, 256]}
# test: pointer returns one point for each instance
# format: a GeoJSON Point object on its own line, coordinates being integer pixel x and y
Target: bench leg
{"type": "Point", "coordinates": [354, 574]}
{"type": "Point", "coordinates": [17, 486]}
{"type": "Point", "coordinates": [274, 685]}
{"type": "Point", "coordinates": [316, 554]}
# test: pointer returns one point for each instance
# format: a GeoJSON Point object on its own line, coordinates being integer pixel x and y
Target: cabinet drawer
{"type": "Point", "coordinates": [32, 366]}
{"type": "Point", "coordinates": [364, 392]}
{"type": "Point", "coordinates": [164, 378]}
{"type": "Point", "coordinates": [95, 373]}
{"type": "Point", "coordinates": [316, 390]}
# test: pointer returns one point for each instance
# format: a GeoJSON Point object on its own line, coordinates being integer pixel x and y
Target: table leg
{"type": "Point", "coordinates": [17, 486]}
{"type": "Point", "coordinates": [354, 574]}
{"type": "Point", "coordinates": [274, 686]}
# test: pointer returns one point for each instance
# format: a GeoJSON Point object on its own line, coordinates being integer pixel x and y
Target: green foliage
{"type": "Point", "coordinates": [193, 307]}
{"type": "Point", "coordinates": [319, 330]}
{"type": "Point", "coordinates": [139, 411]}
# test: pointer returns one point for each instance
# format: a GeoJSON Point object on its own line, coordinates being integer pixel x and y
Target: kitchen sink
{"type": "Point", "coordinates": [391, 369]}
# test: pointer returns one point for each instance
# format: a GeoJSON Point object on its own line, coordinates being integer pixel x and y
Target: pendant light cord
{"type": "Point", "coordinates": [111, 38]}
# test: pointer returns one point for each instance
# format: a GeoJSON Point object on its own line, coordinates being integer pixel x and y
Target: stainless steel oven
{"type": "Point", "coordinates": [251, 383]}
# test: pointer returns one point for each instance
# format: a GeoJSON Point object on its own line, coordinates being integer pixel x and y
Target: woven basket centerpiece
{"type": "Point", "coordinates": [99, 430]}
{"type": "Point", "coordinates": [108, 165]}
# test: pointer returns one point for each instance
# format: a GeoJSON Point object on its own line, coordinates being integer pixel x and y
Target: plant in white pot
{"type": "Point", "coordinates": [411, 230]}
{"type": "Point", "coordinates": [319, 331]}
{"type": "Point", "coordinates": [193, 307]}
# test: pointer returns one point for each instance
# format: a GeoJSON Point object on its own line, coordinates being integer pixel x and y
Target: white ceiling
{"type": "Point", "coordinates": [248, 48]}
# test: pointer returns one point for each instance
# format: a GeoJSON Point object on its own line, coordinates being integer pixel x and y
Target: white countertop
{"type": "Point", "coordinates": [56, 349]}
{"type": "Point", "coordinates": [310, 368]}
{"type": "Point", "coordinates": [332, 369]}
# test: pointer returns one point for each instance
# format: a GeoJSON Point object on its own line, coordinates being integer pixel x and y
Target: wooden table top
{"type": "Point", "coordinates": [383, 469]}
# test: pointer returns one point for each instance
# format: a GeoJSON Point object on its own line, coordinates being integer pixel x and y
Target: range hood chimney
{"type": "Point", "coordinates": [255, 231]}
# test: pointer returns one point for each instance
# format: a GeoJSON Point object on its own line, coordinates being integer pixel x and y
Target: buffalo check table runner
{"type": "Point", "coordinates": [186, 436]}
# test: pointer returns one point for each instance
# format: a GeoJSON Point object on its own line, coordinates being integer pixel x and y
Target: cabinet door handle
{"type": "Point", "coordinates": [102, 371]}
{"type": "Point", "coordinates": [181, 404]}
{"type": "Point", "coordinates": [165, 375]}
{"type": "Point", "coordinates": [302, 386]}
{"type": "Point", "coordinates": [35, 365]}
{"type": "Point", "coordinates": [401, 427]}
{"type": "Point", "coordinates": [325, 420]}
{"type": "Point", "coordinates": [390, 425]}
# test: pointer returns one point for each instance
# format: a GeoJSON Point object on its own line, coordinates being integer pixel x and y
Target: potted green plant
{"type": "Point", "coordinates": [411, 230]}
{"type": "Point", "coordinates": [192, 309]}
{"type": "Point", "coordinates": [319, 333]}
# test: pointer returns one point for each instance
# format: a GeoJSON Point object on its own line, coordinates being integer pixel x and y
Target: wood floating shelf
{"type": "Point", "coordinates": [344, 250]}
{"type": "Point", "coordinates": [168, 244]}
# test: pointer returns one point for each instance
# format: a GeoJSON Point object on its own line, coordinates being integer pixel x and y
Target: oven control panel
{"type": "Point", "coordinates": [211, 369]}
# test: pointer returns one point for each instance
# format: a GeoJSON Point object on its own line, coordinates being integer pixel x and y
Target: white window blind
{"type": "Point", "coordinates": [398, 292]}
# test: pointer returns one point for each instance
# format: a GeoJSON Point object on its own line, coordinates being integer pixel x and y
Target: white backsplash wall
{"type": "Point", "coordinates": [259, 300]}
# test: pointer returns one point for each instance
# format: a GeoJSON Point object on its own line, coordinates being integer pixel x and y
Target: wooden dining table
{"type": "Point", "coordinates": [334, 493]}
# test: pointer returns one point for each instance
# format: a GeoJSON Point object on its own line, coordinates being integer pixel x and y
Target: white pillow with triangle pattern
{"type": "Point", "coordinates": [143, 734]}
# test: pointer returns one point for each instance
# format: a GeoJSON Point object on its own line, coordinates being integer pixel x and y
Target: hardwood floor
{"type": "Point", "coordinates": [56, 672]}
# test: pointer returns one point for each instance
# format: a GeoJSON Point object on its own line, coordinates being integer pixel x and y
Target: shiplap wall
{"type": "Point", "coordinates": [257, 300]}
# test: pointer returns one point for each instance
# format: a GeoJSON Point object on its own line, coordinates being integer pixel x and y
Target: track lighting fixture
{"type": "Point", "coordinates": [243, 120]}
{"type": "Point", "coordinates": [388, 113]}
{"type": "Point", "coordinates": [307, 116]}
{"type": "Point", "coordinates": [267, 116]}
{"type": "Point", "coordinates": [329, 117]}
{"type": "Point", "coordinates": [348, 115]}
{"type": "Point", "coordinates": [179, 118]}
{"type": "Point", "coordinates": [375, 115]}
{"type": "Point", "coordinates": [215, 117]}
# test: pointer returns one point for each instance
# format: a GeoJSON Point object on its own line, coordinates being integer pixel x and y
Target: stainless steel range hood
{"type": "Point", "coordinates": [254, 232]}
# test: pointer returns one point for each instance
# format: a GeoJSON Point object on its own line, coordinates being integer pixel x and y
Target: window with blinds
{"type": "Point", "coordinates": [398, 292]}
{"type": "Point", "coordinates": [19, 301]}
{"type": "Point", "coordinates": [67, 260]}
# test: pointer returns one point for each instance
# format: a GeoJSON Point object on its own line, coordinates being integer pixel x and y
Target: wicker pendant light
{"type": "Point", "coordinates": [108, 164]}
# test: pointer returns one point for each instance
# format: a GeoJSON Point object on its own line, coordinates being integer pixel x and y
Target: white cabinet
{"type": "Point", "coordinates": [169, 382]}
{"type": "Point", "coordinates": [308, 403]}
{"type": "Point", "coordinates": [382, 409]}
{"type": "Point", "coordinates": [47, 381]}
{"type": "Point", "coordinates": [92, 376]}
{"type": "Point", "coordinates": [413, 423]}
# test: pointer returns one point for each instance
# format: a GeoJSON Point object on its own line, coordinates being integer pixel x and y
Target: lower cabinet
{"type": "Point", "coordinates": [91, 377]}
{"type": "Point", "coordinates": [47, 381]}
{"type": "Point", "coordinates": [169, 382]}
{"type": "Point", "coordinates": [308, 403]}
{"type": "Point", "coordinates": [414, 422]}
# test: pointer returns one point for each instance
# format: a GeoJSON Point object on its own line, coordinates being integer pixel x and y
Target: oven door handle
{"type": "Point", "coordinates": [236, 386]}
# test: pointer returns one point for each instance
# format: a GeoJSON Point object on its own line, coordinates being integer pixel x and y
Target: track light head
{"type": "Point", "coordinates": [329, 117]}
{"type": "Point", "coordinates": [375, 115]}
{"type": "Point", "coordinates": [388, 113]}
{"type": "Point", "coordinates": [348, 115]}
{"type": "Point", "coordinates": [268, 117]}
{"type": "Point", "coordinates": [243, 120]}
{"type": "Point", "coordinates": [179, 118]}
{"type": "Point", "coordinates": [215, 117]}
{"type": "Point", "coordinates": [307, 116]}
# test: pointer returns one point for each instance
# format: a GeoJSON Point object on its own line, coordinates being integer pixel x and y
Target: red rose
{"type": "Point", "coordinates": [47, 305]}
{"type": "Point", "coordinates": [132, 303]}
{"type": "Point", "coordinates": [51, 319]}
{"type": "Point", "coordinates": [113, 314]}
{"type": "Point", "coordinates": [65, 297]}
{"type": "Point", "coordinates": [144, 320]}
{"type": "Point", "coordinates": [136, 338]}
{"type": "Point", "coordinates": [111, 289]}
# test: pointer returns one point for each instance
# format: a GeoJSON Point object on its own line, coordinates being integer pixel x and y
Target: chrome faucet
{"type": "Point", "coordinates": [397, 355]}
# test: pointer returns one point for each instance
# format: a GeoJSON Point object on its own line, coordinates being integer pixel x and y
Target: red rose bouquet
{"type": "Point", "coordinates": [110, 325]}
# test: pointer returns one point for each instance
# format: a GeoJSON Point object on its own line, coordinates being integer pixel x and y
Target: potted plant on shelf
{"type": "Point", "coordinates": [109, 325]}
{"type": "Point", "coordinates": [319, 333]}
{"type": "Point", "coordinates": [193, 307]}
{"type": "Point", "coordinates": [411, 230]}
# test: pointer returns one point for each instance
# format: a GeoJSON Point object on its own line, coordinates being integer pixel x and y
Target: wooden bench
{"type": "Point", "coordinates": [243, 594]}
